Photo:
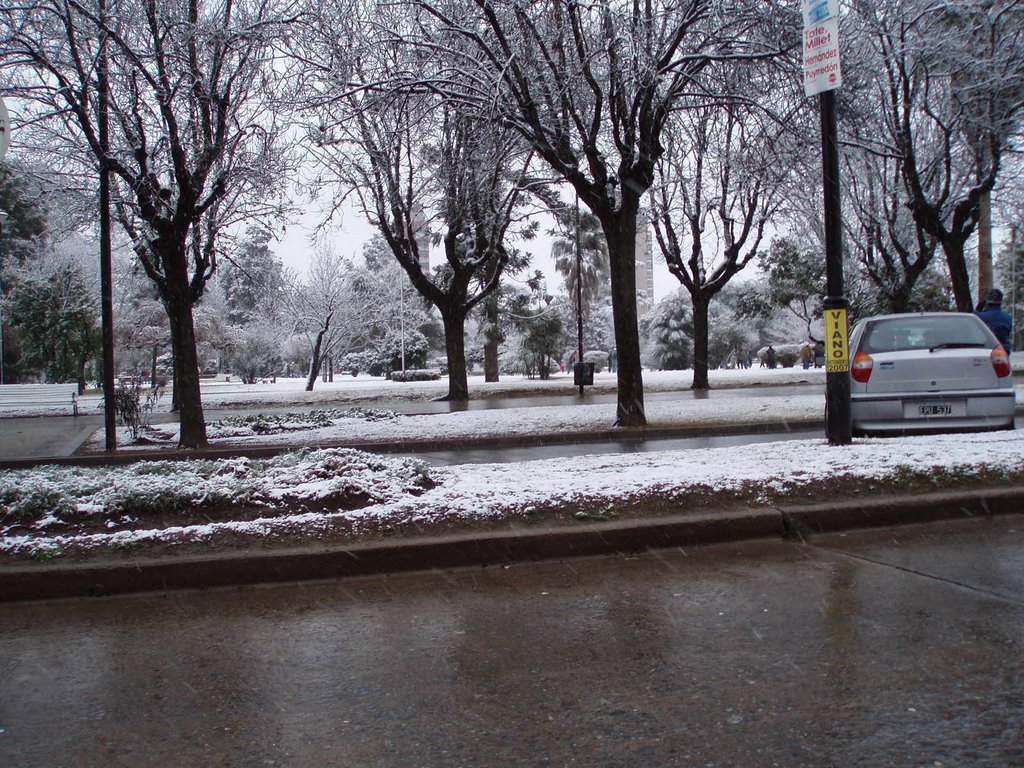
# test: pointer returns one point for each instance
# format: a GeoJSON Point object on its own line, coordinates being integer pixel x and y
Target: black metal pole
{"type": "Point", "coordinates": [106, 269]}
{"type": "Point", "coordinates": [3, 218]}
{"type": "Point", "coordinates": [838, 427]}
{"type": "Point", "coordinates": [579, 300]}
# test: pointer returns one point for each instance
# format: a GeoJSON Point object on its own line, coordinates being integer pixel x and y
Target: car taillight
{"type": "Point", "coordinates": [1001, 362]}
{"type": "Point", "coordinates": [861, 368]}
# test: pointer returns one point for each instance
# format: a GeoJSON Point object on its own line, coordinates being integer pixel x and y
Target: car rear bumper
{"type": "Point", "coordinates": [907, 412]}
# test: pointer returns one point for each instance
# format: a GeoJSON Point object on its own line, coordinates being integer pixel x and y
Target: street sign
{"type": "Point", "coordinates": [5, 129]}
{"type": "Point", "coordinates": [821, 46]}
{"type": "Point", "coordinates": [837, 354]}
{"type": "Point", "coordinates": [817, 11]}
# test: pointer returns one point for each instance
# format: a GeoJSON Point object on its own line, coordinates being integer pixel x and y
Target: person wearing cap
{"type": "Point", "coordinates": [1000, 322]}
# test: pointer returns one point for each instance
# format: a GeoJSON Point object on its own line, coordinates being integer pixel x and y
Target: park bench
{"type": "Point", "coordinates": [39, 395]}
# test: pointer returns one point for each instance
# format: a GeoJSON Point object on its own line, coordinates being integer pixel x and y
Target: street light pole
{"type": "Point", "coordinates": [3, 219]}
{"type": "Point", "coordinates": [5, 141]}
{"type": "Point", "coordinates": [401, 301]}
{"type": "Point", "coordinates": [106, 263]}
{"type": "Point", "coordinates": [822, 76]}
{"type": "Point", "coordinates": [838, 425]}
{"type": "Point", "coordinates": [579, 300]}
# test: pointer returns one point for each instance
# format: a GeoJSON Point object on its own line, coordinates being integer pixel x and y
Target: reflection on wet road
{"type": "Point", "coordinates": [536, 452]}
{"type": "Point", "coordinates": [899, 647]}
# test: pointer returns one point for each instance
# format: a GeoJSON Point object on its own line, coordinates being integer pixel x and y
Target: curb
{"type": "Point", "coordinates": [497, 548]}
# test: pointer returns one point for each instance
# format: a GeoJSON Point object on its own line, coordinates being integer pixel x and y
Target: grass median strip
{"type": "Point", "coordinates": [309, 496]}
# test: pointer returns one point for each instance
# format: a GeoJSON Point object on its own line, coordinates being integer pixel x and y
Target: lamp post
{"type": "Point", "coordinates": [5, 141]}
{"type": "Point", "coordinates": [579, 299]}
{"type": "Point", "coordinates": [822, 76]}
{"type": "Point", "coordinates": [3, 218]}
{"type": "Point", "coordinates": [401, 301]}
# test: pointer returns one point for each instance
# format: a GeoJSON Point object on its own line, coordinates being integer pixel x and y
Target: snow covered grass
{"type": "Point", "coordinates": [369, 389]}
{"type": "Point", "coordinates": [357, 426]}
{"type": "Point", "coordinates": [341, 494]}
{"type": "Point", "coordinates": [307, 495]}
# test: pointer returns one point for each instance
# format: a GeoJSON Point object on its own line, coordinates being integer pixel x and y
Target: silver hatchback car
{"type": "Point", "coordinates": [928, 372]}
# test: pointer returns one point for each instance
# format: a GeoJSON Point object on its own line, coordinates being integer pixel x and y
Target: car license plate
{"type": "Point", "coordinates": [934, 409]}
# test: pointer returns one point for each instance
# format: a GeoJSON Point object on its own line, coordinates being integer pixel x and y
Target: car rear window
{"type": "Point", "coordinates": [916, 332]}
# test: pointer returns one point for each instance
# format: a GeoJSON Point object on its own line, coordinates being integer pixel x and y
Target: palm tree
{"type": "Point", "coordinates": [593, 248]}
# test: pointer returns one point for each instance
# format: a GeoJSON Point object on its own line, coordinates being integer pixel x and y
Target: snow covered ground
{"type": "Point", "coordinates": [48, 509]}
{"type": "Point", "coordinates": [221, 393]}
{"type": "Point", "coordinates": [53, 509]}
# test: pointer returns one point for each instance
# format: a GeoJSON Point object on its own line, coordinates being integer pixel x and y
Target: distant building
{"type": "Point", "coordinates": [644, 268]}
{"type": "Point", "coordinates": [421, 234]}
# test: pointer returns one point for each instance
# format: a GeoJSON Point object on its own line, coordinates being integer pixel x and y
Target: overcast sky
{"type": "Point", "coordinates": [350, 231]}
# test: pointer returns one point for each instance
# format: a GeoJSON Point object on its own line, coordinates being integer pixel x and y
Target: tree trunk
{"type": "Point", "coordinates": [174, 382]}
{"type": "Point", "coordinates": [186, 381]}
{"type": "Point", "coordinates": [315, 361]}
{"type": "Point", "coordinates": [492, 338]}
{"type": "Point", "coordinates": [152, 369]}
{"type": "Point", "coordinates": [959, 275]}
{"type": "Point", "coordinates": [455, 350]}
{"type": "Point", "coordinates": [984, 246]}
{"type": "Point", "coordinates": [620, 234]}
{"type": "Point", "coordinates": [700, 341]}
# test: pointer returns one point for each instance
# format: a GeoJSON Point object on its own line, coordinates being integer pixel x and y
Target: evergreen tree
{"type": "Point", "coordinates": [253, 280]}
{"type": "Point", "coordinates": [54, 311]}
{"type": "Point", "coordinates": [669, 330]}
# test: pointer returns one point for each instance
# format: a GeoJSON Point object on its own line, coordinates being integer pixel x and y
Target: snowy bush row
{"type": "Point", "coordinates": [420, 374]}
{"type": "Point", "coordinates": [272, 424]}
{"type": "Point", "coordinates": [42, 496]}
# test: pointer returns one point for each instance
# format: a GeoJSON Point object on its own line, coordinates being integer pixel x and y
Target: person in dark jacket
{"type": "Point", "coordinates": [996, 319]}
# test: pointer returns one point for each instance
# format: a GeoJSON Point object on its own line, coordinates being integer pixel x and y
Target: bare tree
{"type": "Point", "coordinates": [325, 310]}
{"type": "Point", "coordinates": [952, 75]}
{"type": "Point", "coordinates": [420, 171]}
{"type": "Point", "coordinates": [724, 175]}
{"type": "Point", "coordinates": [591, 86]}
{"type": "Point", "coordinates": [192, 148]}
{"type": "Point", "coordinates": [893, 250]}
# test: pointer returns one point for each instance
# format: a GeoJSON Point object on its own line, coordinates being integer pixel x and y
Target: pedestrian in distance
{"type": "Point", "coordinates": [770, 356]}
{"type": "Point", "coordinates": [998, 321]}
{"type": "Point", "coordinates": [819, 354]}
{"type": "Point", "coordinates": [806, 356]}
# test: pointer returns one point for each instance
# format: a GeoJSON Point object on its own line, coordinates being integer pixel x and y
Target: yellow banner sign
{"type": "Point", "coordinates": [837, 353]}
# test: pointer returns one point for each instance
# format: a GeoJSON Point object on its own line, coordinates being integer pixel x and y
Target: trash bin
{"type": "Point", "coordinates": [583, 374]}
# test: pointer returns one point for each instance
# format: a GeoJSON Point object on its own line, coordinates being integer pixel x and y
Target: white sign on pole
{"type": "Point", "coordinates": [821, 46]}
{"type": "Point", "coordinates": [5, 129]}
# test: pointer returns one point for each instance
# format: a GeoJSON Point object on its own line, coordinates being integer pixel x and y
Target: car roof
{"type": "Point", "coordinates": [917, 314]}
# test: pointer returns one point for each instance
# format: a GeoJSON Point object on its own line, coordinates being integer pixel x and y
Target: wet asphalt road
{"type": "Point", "coordinates": [898, 647]}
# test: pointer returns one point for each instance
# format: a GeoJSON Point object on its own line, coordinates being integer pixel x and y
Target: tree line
{"type": "Point", "coordinates": [463, 119]}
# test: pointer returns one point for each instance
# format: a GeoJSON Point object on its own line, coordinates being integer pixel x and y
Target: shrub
{"type": "Point", "coordinates": [598, 358]}
{"type": "Point", "coordinates": [417, 374]}
{"type": "Point", "coordinates": [130, 409]}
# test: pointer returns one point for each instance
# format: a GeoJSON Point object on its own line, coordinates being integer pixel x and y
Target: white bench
{"type": "Point", "coordinates": [38, 395]}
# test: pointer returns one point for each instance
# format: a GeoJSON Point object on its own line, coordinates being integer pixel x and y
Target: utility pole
{"type": "Point", "coordinates": [106, 268]}
{"type": "Point", "coordinates": [401, 301]}
{"type": "Point", "coordinates": [579, 301]}
{"type": "Point", "coordinates": [822, 76]}
{"type": "Point", "coordinates": [3, 219]}
{"type": "Point", "coordinates": [5, 140]}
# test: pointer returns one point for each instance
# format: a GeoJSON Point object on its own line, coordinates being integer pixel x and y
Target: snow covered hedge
{"type": "Point", "coordinates": [34, 500]}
